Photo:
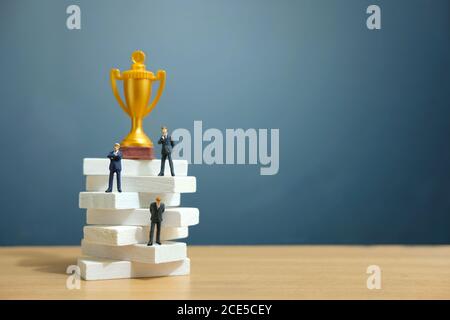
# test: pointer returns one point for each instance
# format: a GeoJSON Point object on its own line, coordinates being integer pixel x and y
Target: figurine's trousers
{"type": "Point", "coordinates": [111, 178]}
{"type": "Point", "coordinates": [158, 231]}
{"type": "Point", "coordinates": [165, 156]}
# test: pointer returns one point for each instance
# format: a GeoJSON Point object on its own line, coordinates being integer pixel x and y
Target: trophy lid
{"type": "Point", "coordinates": [138, 70]}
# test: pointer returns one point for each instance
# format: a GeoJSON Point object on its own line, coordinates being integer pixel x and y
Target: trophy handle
{"type": "Point", "coordinates": [115, 74]}
{"type": "Point", "coordinates": [161, 76]}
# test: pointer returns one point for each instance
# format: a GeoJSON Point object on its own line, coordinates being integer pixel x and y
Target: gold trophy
{"type": "Point", "coordinates": [137, 87]}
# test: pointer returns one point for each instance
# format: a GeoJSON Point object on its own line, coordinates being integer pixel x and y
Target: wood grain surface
{"type": "Point", "coordinates": [242, 272]}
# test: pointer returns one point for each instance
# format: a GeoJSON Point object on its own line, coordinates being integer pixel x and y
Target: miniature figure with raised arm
{"type": "Point", "coordinates": [166, 151]}
{"type": "Point", "coordinates": [156, 210]}
{"type": "Point", "coordinates": [115, 166]}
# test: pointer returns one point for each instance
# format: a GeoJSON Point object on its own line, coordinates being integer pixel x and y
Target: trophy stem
{"type": "Point", "coordinates": [137, 136]}
{"type": "Point", "coordinates": [137, 145]}
{"type": "Point", "coordinates": [136, 124]}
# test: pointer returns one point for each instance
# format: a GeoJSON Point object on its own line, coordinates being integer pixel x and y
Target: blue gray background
{"type": "Point", "coordinates": [364, 116]}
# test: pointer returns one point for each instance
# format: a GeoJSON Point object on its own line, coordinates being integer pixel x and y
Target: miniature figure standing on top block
{"type": "Point", "coordinates": [166, 151]}
{"type": "Point", "coordinates": [115, 166]}
{"type": "Point", "coordinates": [156, 210]}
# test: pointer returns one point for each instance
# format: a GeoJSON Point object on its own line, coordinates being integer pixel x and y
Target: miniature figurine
{"type": "Point", "coordinates": [166, 151]}
{"type": "Point", "coordinates": [156, 210]}
{"type": "Point", "coordinates": [115, 166]}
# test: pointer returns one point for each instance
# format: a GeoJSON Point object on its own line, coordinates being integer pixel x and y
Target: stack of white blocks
{"type": "Point", "coordinates": [115, 238]}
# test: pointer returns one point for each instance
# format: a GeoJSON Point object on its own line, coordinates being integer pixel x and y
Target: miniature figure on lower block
{"type": "Point", "coordinates": [156, 210]}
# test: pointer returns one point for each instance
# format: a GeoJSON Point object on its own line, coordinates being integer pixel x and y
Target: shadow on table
{"type": "Point", "coordinates": [44, 262]}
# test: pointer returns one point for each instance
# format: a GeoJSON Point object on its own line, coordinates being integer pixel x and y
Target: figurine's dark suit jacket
{"type": "Point", "coordinates": [115, 166]}
{"type": "Point", "coordinates": [157, 212]}
{"type": "Point", "coordinates": [166, 153]}
{"type": "Point", "coordinates": [116, 163]}
{"type": "Point", "coordinates": [167, 145]}
{"type": "Point", "coordinates": [156, 218]}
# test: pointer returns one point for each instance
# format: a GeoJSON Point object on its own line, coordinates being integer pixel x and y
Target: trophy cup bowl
{"type": "Point", "coordinates": [137, 87]}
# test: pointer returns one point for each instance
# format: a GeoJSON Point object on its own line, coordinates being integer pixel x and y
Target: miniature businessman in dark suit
{"type": "Point", "coordinates": [166, 151]}
{"type": "Point", "coordinates": [115, 166]}
{"type": "Point", "coordinates": [156, 210]}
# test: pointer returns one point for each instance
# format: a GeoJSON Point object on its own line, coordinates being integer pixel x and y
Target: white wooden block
{"type": "Point", "coordinates": [127, 235]}
{"type": "Point", "coordinates": [167, 252]}
{"type": "Point", "coordinates": [100, 166]}
{"type": "Point", "coordinates": [172, 217]}
{"type": "Point", "coordinates": [144, 184]}
{"type": "Point", "coordinates": [93, 268]}
{"type": "Point", "coordinates": [124, 200]}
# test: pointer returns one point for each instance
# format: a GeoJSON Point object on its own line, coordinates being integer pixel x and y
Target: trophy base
{"type": "Point", "coordinates": [143, 153]}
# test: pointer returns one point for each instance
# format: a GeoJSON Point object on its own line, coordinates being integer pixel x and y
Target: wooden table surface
{"type": "Point", "coordinates": [242, 272]}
